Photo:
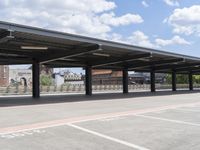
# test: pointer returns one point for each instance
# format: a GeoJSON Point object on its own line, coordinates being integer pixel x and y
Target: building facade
{"type": "Point", "coordinates": [67, 77]}
{"type": "Point", "coordinates": [4, 75]}
{"type": "Point", "coordinates": [20, 76]}
{"type": "Point", "coordinates": [106, 77]}
{"type": "Point", "coordinates": [110, 77]}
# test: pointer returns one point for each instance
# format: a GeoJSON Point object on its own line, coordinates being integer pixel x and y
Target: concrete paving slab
{"type": "Point", "coordinates": [149, 133]}
{"type": "Point", "coordinates": [121, 132]}
{"type": "Point", "coordinates": [58, 138]}
{"type": "Point", "coordinates": [98, 104]}
{"type": "Point", "coordinates": [178, 114]}
{"type": "Point", "coordinates": [191, 108]}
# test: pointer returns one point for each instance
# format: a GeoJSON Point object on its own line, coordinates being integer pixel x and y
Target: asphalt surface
{"type": "Point", "coordinates": [101, 122]}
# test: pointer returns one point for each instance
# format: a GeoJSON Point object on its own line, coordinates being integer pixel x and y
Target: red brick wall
{"type": "Point", "coordinates": [4, 75]}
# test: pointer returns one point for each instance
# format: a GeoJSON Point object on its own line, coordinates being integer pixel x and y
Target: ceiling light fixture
{"type": "Point", "coordinates": [100, 54]}
{"type": "Point", "coordinates": [197, 66]}
{"type": "Point", "coordinates": [34, 47]}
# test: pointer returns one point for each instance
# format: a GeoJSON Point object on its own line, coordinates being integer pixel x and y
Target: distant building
{"type": "Point", "coordinates": [138, 78]}
{"type": "Point", "coordinates": [44, 70]}
{"type": "Point", "coordinates": [24, 76]}
{"type": "Point", "coordinates": [4, 75]}
{"type": "Point", "coordinates": [107, 77]}
{"type": "Point", "coordinates": [20, 75]}
{"type": "Point", "coordinates": [160, 77]}
{"type": "Point", "coordinates": [73, 78]}
{"type": "Point", "coordinates": [58, 79]}
{"type": "Point", "coordinates": [67, 77]}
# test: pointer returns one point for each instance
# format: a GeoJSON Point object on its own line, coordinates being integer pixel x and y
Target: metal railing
{"type": "Point", "coordinates": [20, 90]}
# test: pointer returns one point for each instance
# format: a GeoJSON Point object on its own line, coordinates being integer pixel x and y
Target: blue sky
{"type": "Point", "coordinates": [170, 25]}
{"type": "Point", "coordinates": [154, 27]}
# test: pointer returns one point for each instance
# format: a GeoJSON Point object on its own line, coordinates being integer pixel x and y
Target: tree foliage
{"type": "Point", "coordinates": [182, 79]}
{"type": "Point", "coordinates": [45, 80]}
{"type": "Point", "coordinates": [196, 79]}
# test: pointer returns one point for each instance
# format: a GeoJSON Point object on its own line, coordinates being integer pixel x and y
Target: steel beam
{"type": "Point", "coordinates": [196, 72]}
{"type": "Point", "coordinates": [36, 79]}
{"type": "Point", "coordinates": [122, 60]}
{"type": "Point", "coordinates": [177, 67]}
{"type": "Point", "coordinates": [173, 80]}
{"type": "Point", "coordinates": [155, 63]}
{"type": "Point", "coordinates": [190, 78]}
{"type": "Point", "coordinates": [6, 36]}
{"type": "Point", "coordinates": [76, 51]}
{"type": "Point", "coordinates": [189, 69]}
{"type": "Point", "coordinates": [153, 81]}
{"type": "Point", "coordinates": [88, 80]}
{"type": "Point", "coordinates": [125, 81]}
{"type": "Point", "coordinates": [71, 37]}
{"type": "Point", "coordinates": [62, 63]}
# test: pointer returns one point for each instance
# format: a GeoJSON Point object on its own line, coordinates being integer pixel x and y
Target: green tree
{"type": "Point", "coordinates": [196, 79]}
{"type": "Point", "coordinates": [169, 79]}
{"type": "Point", "coordinates": [180, 79]}
{"type": "Point", "coordinates": [45, 80]}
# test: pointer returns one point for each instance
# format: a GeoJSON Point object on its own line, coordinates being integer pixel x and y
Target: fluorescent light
{"type": "Point", "coordinates": [10, 37]}
{"type": "Point", "coordinates": [144, 59]}
{"type": "Point", "coordinates": [100, 54]}
{"type": "Point", "coordinates": [34, 47]}
{"type": "Point", "coordinates": [197, 66]}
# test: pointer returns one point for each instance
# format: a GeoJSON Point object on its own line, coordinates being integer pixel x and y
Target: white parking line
{"type": "Point", "coordinates": [21, 134]}
{"type": "Point", "coordinates": [109, 138]}
{"type": "Point", "coordinates": [61, 122]}
{"type": "Point", "coordinates": [169, 120]}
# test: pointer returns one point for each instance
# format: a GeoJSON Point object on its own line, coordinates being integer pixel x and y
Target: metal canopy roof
{"type": "Point", "coordinates": [68, 50]}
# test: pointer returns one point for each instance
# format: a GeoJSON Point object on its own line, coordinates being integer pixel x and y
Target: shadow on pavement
{"type": "Point", "coordinates": [28, 100]}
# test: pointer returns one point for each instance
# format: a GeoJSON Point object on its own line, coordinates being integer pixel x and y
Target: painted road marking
{"type": "Point", "coordinates": [61, 122]}
{"type": "Point", "coordinates": [111, 119]}
{"type": "Point", "coordinates": [21, 134]}
{"type": "Point", "coordinates": [169, 120]}
{"type": "Point", "coordinates": [108, 137]}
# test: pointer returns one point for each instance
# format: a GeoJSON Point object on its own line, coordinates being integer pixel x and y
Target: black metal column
{"type": "Point", "coordinates": [88, 80]}
{"type": "Point", "coordinates": [190, 81]}
{"type": "Point", "coordinates": [125, 81]}
{"type": "Point", "coordinates": [173, 80]}
{"type": "Point", "coordinates": [153, 81]}
{"type": "Point", "coordinates": [35, 79]}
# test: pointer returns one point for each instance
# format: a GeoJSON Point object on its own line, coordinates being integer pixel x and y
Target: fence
{"type": "Point", "coordinates": [18, 90]}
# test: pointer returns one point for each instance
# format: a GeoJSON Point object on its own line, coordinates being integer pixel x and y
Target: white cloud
{"type": "Point", "coordinates": [87, 17]}
{"type": "Point", "coordinates": [111, 19]}
{"type": "Point", "coordinates": [144, 3]}
{"type": "Point", "coordinates": [185, 20]}
{"type": "Point", "coordinates": [176, 40]}
{"type": "Point", "coordinates": [96, 6]}
{"type": "Point", "coordinates": [172, 2]}
{"type": "Point", "coordinates": [140, 39]}
{"type": "Point", "coordinates": [116, 37]}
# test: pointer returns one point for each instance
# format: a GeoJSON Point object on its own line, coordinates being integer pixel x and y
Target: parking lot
{"type": "Point", "coordinates": [141, 121]}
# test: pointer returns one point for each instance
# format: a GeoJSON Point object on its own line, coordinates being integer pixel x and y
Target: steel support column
{"type": "Point", "coordinates": [35, 79]}
{"type": "Point", "coordinates": [125, 81]}
{"type": "Point", "coordinates": [190, 81]}
{"type": "Point", "coordinates": [173, 80]}
{"type": "Point", "coordinates": [88, 80]}
{"type": "Point", "coordinates": [153, 81]}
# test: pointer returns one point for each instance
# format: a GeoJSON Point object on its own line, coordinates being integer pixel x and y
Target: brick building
{"type": "Point", "coordinates": [109, 77]}
{"type": "Point", "coordinates": [106, 77]}
{"type": "Point", "coordinates": [4, 75]}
